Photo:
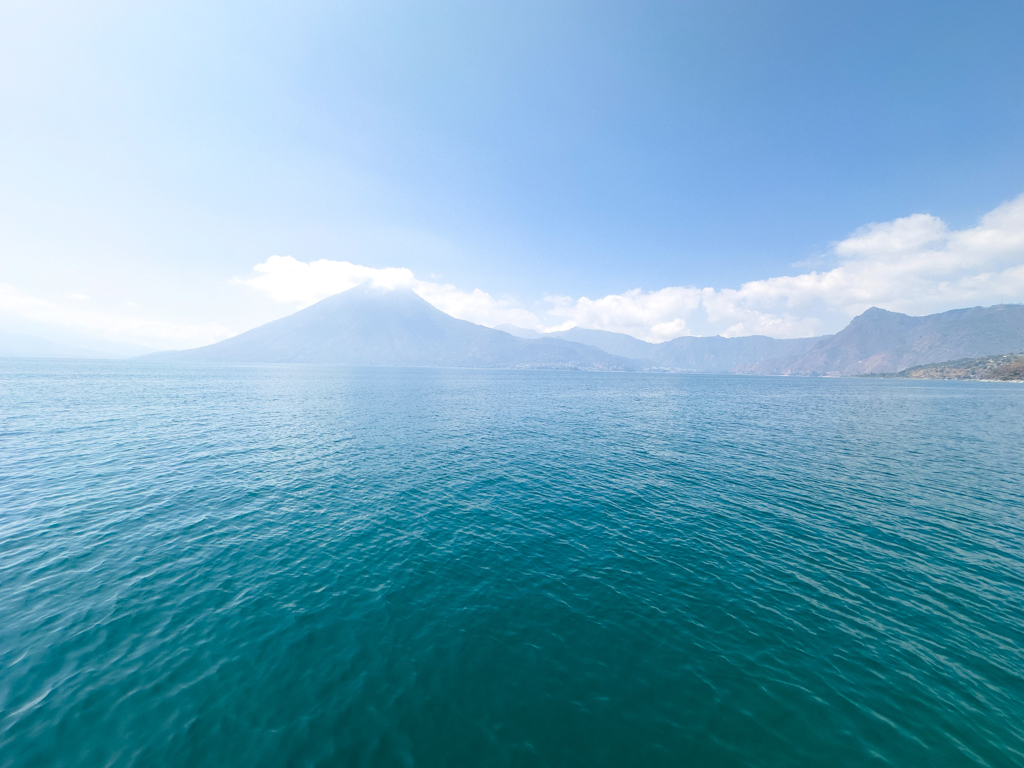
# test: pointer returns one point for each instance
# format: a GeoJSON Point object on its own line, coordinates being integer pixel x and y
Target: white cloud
{"type": "Point", "coordinates": [913, 264]}
{"type": "Point", "coordinates": [656, 315]}
{"type": "Point", "coordinates": [287, 279]}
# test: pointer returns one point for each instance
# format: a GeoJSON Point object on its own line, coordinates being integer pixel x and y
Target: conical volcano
{"type": "Point", "coordinates": [367, 325]}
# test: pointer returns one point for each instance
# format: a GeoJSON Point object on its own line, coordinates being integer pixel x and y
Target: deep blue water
{"type": "Point", "coordinates": [324, 566]}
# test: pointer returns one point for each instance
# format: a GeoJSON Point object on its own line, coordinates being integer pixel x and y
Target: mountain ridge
{"type": "Point", "coordinates": [372, 326]}
{"type": "Point", "coordinates": [701, 354]}
{"type": "Point", "coordinates": [880, 341]}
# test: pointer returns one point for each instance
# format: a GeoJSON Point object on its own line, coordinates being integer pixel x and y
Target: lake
{"type": "Point", "coordinates": [327, 566]}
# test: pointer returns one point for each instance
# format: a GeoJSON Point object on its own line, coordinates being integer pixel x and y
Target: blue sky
{"type": "Point", "coordinates": [153, 154]}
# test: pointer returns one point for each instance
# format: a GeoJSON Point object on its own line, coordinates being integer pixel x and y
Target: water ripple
{"type": "Point", "coordinates": [318, 566]}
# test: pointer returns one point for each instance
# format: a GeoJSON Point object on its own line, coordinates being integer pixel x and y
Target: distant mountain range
{"type": "Point", "coordinates": [28, 345]}
{"type": "Point", "coordinates": [372, 326]}
{"type": "Point", "coordinates": [884, 342]}
{"type": "Point", "coordinates": [699, 354]}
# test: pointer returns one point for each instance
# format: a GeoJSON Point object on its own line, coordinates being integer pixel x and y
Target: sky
{"type": "Point", "coordinates": [173, 173]}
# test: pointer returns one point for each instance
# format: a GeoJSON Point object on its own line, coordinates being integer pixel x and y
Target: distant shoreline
{"type": "Point", "coordinates": [1008, 367]}
{"type": "Point", "coordinates": [554, 369]}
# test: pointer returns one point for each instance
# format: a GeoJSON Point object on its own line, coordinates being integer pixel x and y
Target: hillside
{"type": "Point", "coordinates": [879, 341]}
{"type": "Point", "coordinates": [692, 354]}
{"type": "Point", "coordinates": [621, 344]}
{"type": "Point", "coordinates": [717, 354]}
{"type": "Point", "coordinates": [991, 368]}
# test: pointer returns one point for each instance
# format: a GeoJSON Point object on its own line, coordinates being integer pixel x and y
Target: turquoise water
{"type": "Point", "coordinates": [319, 566]}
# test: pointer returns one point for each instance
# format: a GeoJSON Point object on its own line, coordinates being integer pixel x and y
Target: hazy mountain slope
{"type": "Point", "coordinates": [879, 341]}
{"type": "Point", "coordinates": [621, 344]}
{"type": "Point", "coordinates": [370, 326]}
{"type": "Point", "coordinates": [23, 345]}
{"type": "Point", "coordinates": [27, 345]}
{"type": "Point", "coordinates": [716, 354]}
{"type": "Point", "coordinates": [515, 330]}
{"type": "Point", "coordinates": [688, 353]}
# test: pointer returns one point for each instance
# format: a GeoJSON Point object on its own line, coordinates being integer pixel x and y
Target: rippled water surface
{"type": "Point", "coordinates": [322, 566]}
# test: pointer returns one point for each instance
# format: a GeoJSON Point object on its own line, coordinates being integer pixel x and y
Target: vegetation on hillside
{"type": "Point", "coordinates": [994, 367]}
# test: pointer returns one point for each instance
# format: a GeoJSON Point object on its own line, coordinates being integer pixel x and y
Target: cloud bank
{"type": "Point", "coordinates": [914, 264]}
